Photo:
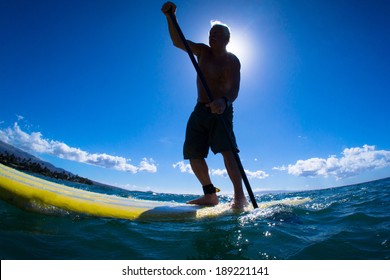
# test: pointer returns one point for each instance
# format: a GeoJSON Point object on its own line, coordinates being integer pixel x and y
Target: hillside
{"type": "Point", "coordinates": [23, 161]}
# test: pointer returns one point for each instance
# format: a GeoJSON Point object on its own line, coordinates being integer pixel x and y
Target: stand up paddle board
{"type": "Point", "coordinates": [39, 195]}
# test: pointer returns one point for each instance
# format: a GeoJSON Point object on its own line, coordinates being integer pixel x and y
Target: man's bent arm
{"type": "Point", "coordinates": [235, 77]}
{"type": "Point", "coordinates": [175, 37]}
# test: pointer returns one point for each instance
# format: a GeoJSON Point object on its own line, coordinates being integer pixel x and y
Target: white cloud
{"type": "Point", "coordinates": [186, 168]}
{"type": "Point", "coordinates": [354, 161]}
{"type": "Point", "coordinates": [34, 142]}
{"type": "Point", "coordinates": [148, 165]}
{"type": "Point", "coordinates": [259, 174]}
{"type": "Point", "coordinates": [219, 172]}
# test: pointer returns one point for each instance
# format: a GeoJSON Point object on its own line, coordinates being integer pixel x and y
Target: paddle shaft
{"type": "Point", "coordinates": [220, 118]}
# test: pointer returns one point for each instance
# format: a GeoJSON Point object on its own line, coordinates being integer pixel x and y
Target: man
{"type": "Point", "coordinates": [221, 70]}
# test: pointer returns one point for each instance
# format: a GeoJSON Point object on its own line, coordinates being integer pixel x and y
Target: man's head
{"type": "Point", "coordinates": [219, 34]}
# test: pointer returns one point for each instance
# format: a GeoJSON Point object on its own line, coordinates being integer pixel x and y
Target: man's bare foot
{"type": "Point", "coordinates": [206, 200]}
{"type": "Point", "coordinates": [239, 203]}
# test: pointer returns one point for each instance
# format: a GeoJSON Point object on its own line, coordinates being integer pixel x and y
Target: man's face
{"type": "Point", "coordinates": [218, 37]}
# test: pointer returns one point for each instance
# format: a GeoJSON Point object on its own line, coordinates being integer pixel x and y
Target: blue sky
{"type": "Point", "coordinates": [97, 88]}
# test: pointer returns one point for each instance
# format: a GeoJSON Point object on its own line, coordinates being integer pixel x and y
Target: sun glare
{"type": "Point", "coordinates": [241, 46]}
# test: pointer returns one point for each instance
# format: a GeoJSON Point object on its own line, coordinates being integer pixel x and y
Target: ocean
{"type": "Point", "coordinates": [343, 223]}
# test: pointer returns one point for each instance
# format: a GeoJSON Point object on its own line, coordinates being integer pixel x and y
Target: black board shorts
{"type": "Point", "coordinates": [205, 130]}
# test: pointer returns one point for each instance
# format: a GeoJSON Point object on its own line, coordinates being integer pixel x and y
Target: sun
{"type": "Point", "coordinates": [241, 46]}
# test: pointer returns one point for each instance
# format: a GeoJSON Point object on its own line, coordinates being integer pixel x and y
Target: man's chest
{"type": "Point", "coordinates": [215, 67]}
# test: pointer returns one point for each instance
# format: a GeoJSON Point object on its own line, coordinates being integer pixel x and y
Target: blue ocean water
{"type": "Point", "coordinates": [351, 222]}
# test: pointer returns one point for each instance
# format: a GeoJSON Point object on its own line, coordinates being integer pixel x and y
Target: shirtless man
{"type": "Point", "coordinates": [221, 70]}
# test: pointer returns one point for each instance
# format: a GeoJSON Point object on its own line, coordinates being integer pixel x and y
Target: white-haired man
{"type": "Point", "coordinates": [221, 70]}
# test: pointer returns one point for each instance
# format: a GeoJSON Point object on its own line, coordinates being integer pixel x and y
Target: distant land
{"type": "Point", "coordinates": [23, 161]}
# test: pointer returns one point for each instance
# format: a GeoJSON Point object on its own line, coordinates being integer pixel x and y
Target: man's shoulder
{"type": "Point", "coordinates": [234, 59]}
{"type": "Point", "coordinates": [232, 56]}
{"type": "Point", "coordinates": [198, 48]}
{"type": "Point", "coordinates": [204, 47]}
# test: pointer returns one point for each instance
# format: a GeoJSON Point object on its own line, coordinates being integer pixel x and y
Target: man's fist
{"type": "Point", "coordinates": [168, 7]}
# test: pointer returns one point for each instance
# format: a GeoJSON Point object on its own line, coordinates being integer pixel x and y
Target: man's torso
{"type": "Point", "coordinates": [217, 71]}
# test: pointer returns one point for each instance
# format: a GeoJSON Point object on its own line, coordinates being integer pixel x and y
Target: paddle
{"type": "Point", "coordinates": [220, 118]}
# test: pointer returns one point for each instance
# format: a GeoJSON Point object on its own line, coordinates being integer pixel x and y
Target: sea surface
{"type": "Point", "coordinates": [351, 222]}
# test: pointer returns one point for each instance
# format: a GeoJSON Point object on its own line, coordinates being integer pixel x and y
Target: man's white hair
{"type": "Point", "coordinates": [220, 23]}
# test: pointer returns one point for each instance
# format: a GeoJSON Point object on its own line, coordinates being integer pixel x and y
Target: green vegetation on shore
{"type": "Point", "coordinates": [28, 165]}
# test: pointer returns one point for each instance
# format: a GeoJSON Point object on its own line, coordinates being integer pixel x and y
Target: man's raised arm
{"type": "Point", "coordinates": [168, 8]}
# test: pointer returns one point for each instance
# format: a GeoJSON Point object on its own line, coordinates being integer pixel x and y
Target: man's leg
{"type": "Point", "coordinates": [235, 176]}
{"type": "Point", "coordinates": [201, 170]}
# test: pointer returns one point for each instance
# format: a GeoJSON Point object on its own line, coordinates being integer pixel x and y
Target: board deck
{"type": "Point", "coordinates": [35, 194]}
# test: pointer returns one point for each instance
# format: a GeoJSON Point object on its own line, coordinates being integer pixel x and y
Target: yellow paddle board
{"type": "Point", "coordinates": [35, 194]}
